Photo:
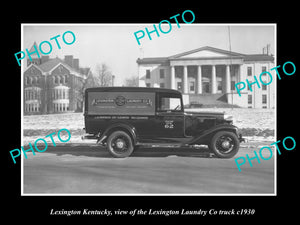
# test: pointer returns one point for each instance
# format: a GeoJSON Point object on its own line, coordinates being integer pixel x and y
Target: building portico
{"type": "Point", "coordinates": [204, 78]}
{"type": "Point", "coordinates": [209, 71]}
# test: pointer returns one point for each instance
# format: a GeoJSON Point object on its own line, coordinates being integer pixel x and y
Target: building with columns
{"type": "Point", "coordinates": [210, 74]}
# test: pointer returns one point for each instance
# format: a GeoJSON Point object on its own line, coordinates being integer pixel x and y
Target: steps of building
{"type": "Point", "coordinates": [209, 100]}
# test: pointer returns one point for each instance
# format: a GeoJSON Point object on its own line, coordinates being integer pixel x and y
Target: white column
{"type": "Point", "coordinates": [199, 80]}
{"type": "Point", "coordinates": [172, 78]}
{"type": "Point", "coordinates": [185, 80]}
{"type": "Point", "coordinates": [227, 79]}
{"type": "Point", "coordinates": [213, 80]}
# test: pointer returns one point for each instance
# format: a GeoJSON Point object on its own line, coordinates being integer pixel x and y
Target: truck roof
{"type": "Point", "coordinates": [131, 89]}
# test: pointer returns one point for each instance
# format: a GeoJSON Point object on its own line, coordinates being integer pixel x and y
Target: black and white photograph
{"type": "Point", "coordinates": [180, 114]}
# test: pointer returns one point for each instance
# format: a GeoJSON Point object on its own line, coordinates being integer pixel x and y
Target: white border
{"type": "Point", "coordinates": [182, 194]}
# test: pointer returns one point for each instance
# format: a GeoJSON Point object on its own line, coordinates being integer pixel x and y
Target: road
{"type": "Point", "coordinates": [89, 169]}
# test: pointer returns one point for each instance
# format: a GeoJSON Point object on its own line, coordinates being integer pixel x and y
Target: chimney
{"type": "Point", "coordinates": [268, 49]}
{"type": "Point", "coordinates": [69, 60]}
{"type": "Point", "coordinates": [44, 58]}
{"type": "Point", "coordinates": [76, 64]}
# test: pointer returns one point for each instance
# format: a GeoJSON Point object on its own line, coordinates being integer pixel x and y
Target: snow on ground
{"type": "Point", "coordinates": [71, 121]}
{"type": "Point", "coordinates": [246, 118]}
{"type": "Point", "coordinates": [255, 123]}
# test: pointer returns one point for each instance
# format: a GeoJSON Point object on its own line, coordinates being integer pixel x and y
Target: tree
{"type": "Point", "coordinates": [132, 81]}
{"type": "Point", "coordinates": [87, 82]}
{"type": "Point", "coordinates": [103, 75]}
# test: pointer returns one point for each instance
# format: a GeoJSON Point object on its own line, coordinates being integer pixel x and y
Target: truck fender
{"type": "Point", "coordinates": [205, 137]}
{"type": "Point", "coordinates": [119, 126]}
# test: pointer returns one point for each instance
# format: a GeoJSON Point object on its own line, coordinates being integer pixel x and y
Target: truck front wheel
{"type": "Point", "coordinates": [119, 144]}
{"type": "Point", "coordinates": [224, 144]}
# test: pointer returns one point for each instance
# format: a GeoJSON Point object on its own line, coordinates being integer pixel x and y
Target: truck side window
{"type": "Point", "coordinates": [169, 104]}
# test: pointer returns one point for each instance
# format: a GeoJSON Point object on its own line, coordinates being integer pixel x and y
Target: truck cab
{"type": "Point", "coordinates": [123, 118]}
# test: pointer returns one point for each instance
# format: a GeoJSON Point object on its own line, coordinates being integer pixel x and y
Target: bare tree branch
{"type": "Point", "coordinates": [103, 75]}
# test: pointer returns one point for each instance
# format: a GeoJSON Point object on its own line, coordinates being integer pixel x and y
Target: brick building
{"type": "Point", "coordinates": [53, 85]}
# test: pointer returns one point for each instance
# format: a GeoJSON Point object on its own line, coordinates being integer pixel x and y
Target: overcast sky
{"type": "Point", "coordinates": [115, 44]}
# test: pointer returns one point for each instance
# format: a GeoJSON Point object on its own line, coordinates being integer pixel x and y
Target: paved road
{"type": "Point", "coordinates": [86, 169]}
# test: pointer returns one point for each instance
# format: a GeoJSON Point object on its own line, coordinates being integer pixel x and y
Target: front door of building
{"type": "Point", "coordinates": [205, 87]}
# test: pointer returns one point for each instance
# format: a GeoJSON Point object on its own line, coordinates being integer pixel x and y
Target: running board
{"type": "Point", "coordinates": [162, 145]}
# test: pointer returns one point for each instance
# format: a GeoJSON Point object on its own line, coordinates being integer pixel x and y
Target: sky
{"type": "Point", "coordinates": [116, 45]}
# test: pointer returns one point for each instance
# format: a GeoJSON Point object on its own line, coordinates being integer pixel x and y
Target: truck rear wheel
{"type": "Point", "coordinates": [224, 144]}
{"type": "Point", "coordinates": [119, 144]}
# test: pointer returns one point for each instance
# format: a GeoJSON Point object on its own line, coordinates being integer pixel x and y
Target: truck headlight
{"type": "Point", "coordinates": [228, 117]}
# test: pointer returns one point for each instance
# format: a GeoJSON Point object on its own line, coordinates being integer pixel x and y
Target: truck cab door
{"type": "Point", "coordinates": [169, 116]}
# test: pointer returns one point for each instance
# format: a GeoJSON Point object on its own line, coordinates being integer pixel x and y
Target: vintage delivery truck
{"type": "Point", "coordinates": [124, 118]}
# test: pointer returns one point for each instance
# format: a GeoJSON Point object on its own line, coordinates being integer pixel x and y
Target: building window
{"type": "Point", "coordinates": [232, 85]}
{"type": "Point", "coordinates": [161, 73]}
{"type": "Point", "coordinates": [32, 107]}
{"type": "Point", "coordinates": [147, 74]}
{"type": "Point", "coordinates": [28, 80]}
{"type": "Point", "coordinates": [219, 85]}
{"type": "Point", "coordinates": [60, 93]}
{"type": "Point", "coordinates": [249, 99]}
{"type": "Point", "coordinates": [264, 80]}
{"type": "Point", "coordinates": [56, 80]}
{"type": "Point", "coordinates": [60, 107]}
{"type": "Point", "coordinates": [264, 99]}
{"type": "Point", "coordinates": [248, 87]}
{"type": "Point", "coordinates": [192, 86]}
{"type": "Point", "coordinates": [264, 87]}
{"type": "Point", "coordinates": [147, 84]}
{"type": "Point", "coordinates": [162, 85]}
{"type": "Point", "coordinates": [66, 78]}
{"type": "Point", "coordinates": [32, 94]}
{"type": "Point", "coordinates": [249, 71]}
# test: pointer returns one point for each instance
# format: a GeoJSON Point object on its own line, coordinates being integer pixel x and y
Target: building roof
{"type": "Point", "coordinates": [259, 57]}
{"type": "Point", "coordinates": [46, 64]}
{"type": "Point", "coordinates": [49, 65]}
{"type": "Point", "coordinates": [205, 52]}
{"type": "Point", "coordinates": [207, 48]}
{"type": "Point", "coordinates": [153, 60]}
